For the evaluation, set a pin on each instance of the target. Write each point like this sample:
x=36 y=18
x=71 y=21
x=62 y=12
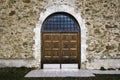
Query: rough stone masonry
x=18 y=18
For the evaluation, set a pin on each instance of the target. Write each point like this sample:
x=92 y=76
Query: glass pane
x=60 y=23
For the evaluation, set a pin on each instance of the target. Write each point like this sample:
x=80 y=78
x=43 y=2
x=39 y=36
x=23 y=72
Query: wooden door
x=51 y=48
x=69 y=48
x=60 y=48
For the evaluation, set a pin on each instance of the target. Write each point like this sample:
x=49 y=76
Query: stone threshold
x=59 y=73
x=68 y=73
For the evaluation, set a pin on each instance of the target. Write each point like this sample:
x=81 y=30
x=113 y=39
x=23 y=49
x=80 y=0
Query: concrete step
x=60 y=73
x=68 y=73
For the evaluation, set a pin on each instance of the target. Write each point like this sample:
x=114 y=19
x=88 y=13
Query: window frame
x=70 y=20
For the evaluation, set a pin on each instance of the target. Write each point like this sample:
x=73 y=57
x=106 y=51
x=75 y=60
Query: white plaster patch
x=106 y=63
x=37 y=43
x=18 y=63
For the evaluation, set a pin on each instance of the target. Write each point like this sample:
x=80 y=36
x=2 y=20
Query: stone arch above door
x=54 y=9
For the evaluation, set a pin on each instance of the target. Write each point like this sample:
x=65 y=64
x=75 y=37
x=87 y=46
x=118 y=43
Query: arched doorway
x=60 y=40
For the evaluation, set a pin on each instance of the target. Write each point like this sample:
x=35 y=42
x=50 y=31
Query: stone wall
x=18 y=19
x=103 y=23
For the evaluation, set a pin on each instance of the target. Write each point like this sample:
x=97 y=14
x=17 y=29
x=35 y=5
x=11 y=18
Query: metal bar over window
x=60 y=23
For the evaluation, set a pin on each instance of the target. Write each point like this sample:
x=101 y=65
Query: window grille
x=60 y=23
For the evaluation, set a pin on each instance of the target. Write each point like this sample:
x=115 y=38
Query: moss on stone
x=1 y=1
x=1 y=30
x=119 y=47
x=26 y=1
x=111 y=26
x=109 y=47
x=9 y=5
x=11 y=13
x=97 y=31
x=117 y=36
x=106 y=54
x=13 y=1
x=87 y=23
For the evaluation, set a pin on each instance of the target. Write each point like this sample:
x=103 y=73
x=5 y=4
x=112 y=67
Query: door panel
x=69 y=47
x=51 y=48
x=60 y=47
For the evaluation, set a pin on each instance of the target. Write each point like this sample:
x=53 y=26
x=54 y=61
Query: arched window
x=60 y=22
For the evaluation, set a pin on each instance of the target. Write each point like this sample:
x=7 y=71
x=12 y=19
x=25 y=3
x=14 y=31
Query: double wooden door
x=60 y=48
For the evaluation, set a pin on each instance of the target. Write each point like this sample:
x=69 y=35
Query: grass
x=19 y=73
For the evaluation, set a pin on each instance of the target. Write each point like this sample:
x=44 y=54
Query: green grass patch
x=19 y=73
x=13 y=73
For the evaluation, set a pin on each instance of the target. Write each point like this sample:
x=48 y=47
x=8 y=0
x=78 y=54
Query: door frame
x=37 y=30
